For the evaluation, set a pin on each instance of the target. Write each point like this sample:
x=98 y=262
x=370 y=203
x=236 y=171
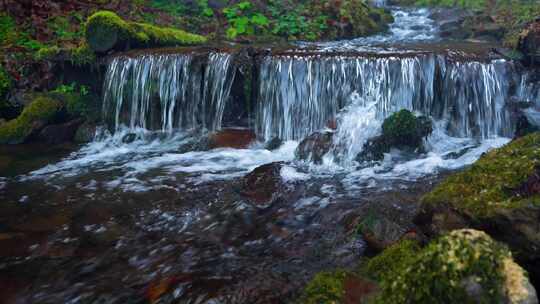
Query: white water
x=298 y=95
x=410 y=25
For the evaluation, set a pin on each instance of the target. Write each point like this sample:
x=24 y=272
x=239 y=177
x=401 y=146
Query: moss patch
x=493 y=181
x=388 y=263
x=442 y=271
x=105 y=30
x=5 y=82
x=326 y=287
x=41 y=111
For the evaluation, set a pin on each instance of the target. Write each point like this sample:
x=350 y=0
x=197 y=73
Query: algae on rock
x=41 y=111
x=105 y=31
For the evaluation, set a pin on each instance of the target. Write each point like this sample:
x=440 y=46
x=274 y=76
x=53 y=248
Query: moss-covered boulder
x=105 y=31
x=401 y=130
x=35 y=116
x=499 y=194
x=464 y=266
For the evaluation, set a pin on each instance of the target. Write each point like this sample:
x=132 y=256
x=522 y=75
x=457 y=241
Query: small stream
x=143 y=213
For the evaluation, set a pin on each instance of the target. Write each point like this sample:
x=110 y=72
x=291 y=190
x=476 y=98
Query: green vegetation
x=494 y=181
x=441 y=272
x=106 y=30
x=244 y=20
x=41 y=111
x=5 y=82
x=387 y=264
x=326 y=287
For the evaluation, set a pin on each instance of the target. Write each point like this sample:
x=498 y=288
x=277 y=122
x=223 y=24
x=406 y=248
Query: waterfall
x=167 y=91
x=302 y=94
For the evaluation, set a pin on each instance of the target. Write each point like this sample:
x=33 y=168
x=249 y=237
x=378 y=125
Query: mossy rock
x=105 y=30
x=339 y=286
x=464 y=266
x=401 y=130
x=5 y=82
x=499 y=194
x=501 y=179
x=35 y=116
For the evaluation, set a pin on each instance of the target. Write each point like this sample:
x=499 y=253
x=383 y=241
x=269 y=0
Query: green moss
x=41 y=111
x=492 y=182
x=5 y=82
x=106 y=30
x=388 y=263
x=326 y=287
x=440 y=272
x=82 y=55
x=47 y=53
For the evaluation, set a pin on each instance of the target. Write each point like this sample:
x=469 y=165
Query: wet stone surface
x=89 y=243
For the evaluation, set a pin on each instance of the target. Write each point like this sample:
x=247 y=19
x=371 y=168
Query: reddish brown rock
x=262 y=184
x=232 y=138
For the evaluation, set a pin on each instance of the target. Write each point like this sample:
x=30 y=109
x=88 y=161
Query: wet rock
x=59 y=133
x=380 y=232
x=314 y=147
x=403 y=131
x=529 y=43
x=524 y=126
x=263 y=184
x=231 y=138
x=85 y=133
x=129 y=138
x=273 y=144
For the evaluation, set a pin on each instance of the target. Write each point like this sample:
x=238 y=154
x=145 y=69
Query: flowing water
x=144 y=212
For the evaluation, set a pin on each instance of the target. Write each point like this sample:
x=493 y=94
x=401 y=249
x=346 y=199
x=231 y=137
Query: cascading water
x=176 y=219
x=167 y=91
x=300 y=95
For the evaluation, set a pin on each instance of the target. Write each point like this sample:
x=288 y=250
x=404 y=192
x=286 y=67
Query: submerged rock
x=402 y=130
x=273 y=144
x=314 y=147
x=500 y=194
x=464 y=266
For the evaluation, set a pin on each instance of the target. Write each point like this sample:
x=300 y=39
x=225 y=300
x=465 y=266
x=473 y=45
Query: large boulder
x=529 y=43
x=499 y=194
x=402 y=130
x=314 y=147
x=463 y=266
x=105 y=31
x=40 y=112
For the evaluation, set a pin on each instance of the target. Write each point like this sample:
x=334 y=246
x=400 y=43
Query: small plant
x=244 y=20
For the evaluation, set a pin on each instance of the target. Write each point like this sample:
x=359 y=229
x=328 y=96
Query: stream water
x=141 y=213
